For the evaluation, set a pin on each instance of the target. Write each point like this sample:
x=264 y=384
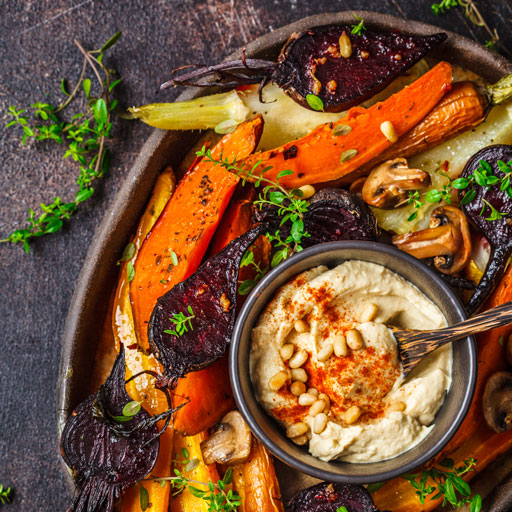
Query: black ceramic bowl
x=448 y=418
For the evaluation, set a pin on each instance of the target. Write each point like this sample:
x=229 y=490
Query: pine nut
x=327 y=400
x=325 y=352
x=397 y=406
x=307 y=191
x=297 y=388
x=277 y=381
x=300 y=375
x=388 y=130
x=345 y=45
x=317 y=407
x=301 y=326
x=319 y=423
x=286 y=351
x=298 y=359
x=340 y=345
x=306 y=399
x=369 y=312
x=352 y=415
x=301 y=440
x=296 y=429
x=354 y=339
x=313 y=391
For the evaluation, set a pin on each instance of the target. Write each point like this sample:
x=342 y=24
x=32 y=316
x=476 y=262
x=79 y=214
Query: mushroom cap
x=388 y=185
x=230 y=442
x=497 y=401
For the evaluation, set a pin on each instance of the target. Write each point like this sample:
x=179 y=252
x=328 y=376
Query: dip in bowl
x=373 y=425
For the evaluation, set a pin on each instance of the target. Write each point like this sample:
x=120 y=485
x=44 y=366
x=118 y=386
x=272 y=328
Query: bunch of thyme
x=85 y=135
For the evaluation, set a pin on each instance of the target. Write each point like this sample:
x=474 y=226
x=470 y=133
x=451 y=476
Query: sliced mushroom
x=497 y=401
x=388 y=185
x=447 y=240
x=230 y=443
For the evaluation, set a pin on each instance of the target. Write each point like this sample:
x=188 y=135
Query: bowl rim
x=235 y=369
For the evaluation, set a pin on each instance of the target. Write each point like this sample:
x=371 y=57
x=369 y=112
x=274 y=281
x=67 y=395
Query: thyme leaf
x=182 y=322
x=359 y=27
x=5 y=494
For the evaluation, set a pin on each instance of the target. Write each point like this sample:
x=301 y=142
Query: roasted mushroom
x=339 y=68
x=447 y=240
x=230 y=442
x=388 y=185
x=497 y=401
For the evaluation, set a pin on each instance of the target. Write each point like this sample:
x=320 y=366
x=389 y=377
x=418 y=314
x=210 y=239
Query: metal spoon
x=414 y=345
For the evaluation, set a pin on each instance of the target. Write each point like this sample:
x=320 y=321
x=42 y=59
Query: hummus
x=351 y=404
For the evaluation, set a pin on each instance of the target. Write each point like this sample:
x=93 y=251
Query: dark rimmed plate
x=89 y=305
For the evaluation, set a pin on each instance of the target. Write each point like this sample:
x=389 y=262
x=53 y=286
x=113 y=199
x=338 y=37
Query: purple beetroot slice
x=498 y=232
x=211 y=293
x=326 y=497
x=310 y=63
x=103 y=462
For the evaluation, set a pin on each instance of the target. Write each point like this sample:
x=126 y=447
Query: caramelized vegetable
x=335 y=151
x=255 y=481
x=325 y=67
x=184 y=229
x=459 y=110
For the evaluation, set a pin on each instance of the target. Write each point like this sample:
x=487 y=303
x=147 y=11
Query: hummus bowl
x=272 y=435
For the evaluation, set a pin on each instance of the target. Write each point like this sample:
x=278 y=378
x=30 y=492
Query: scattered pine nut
x=340 y=345
x=307 y=192
x=299 y=374
x=306 y=399
x=325 y=352
x=286 y=351
x=296 y=430
x=345 y=45
x=297 y=388
x=317 y=407
x=301 y=326
x=369 y=312
x=354 y=339
x=319 y=423
x=327 y=400
x=277 y=381
x=352 y=415
x=298 y=359
x=300 y=440
x=313 y=391
x=388 y=130
x=397 y=406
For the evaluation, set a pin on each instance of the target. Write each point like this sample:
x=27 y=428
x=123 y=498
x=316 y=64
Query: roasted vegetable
x=490 y=212
x=326 y=497
x=256 y=483
x=178 y=241
x=107 y=456
x=336 y=151
x=497 y=401
x=208 y=298
x=338 y=68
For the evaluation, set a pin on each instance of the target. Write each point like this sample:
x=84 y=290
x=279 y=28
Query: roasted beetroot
x=326 y=497
x=106 y=455
x=490 y=212
x=208 y=299
x=339 y=68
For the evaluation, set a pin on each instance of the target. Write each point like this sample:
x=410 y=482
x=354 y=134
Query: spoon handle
x=495 y=317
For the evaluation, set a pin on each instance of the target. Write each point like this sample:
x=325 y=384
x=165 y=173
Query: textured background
x=36 y=51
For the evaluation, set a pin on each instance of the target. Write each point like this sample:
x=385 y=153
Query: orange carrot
x=323 y=156
x=186 y=226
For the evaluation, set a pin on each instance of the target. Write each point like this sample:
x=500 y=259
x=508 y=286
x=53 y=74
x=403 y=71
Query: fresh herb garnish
x=358 y=29
x=248 y=260
x=129 y=411
x=315 y=102
x=482 y=176
x=143 y=498
x=128 y=253
x=289 y=203
x=342 y=509
x=5 y=494
x=446 y=483
x=85 y=136
x=183 y=323
x=473 y=14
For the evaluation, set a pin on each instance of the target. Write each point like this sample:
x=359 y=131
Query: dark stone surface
x=36 y=51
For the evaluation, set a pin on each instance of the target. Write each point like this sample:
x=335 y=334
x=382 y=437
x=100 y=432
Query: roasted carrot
x=323 y=156
x=256 y=482
x=185 y=501
x=186 y=226
x=474 y=438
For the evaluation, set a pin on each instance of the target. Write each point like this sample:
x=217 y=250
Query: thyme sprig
x=85 y=135
x=248 y=260
x=359 y=27
x=447 y=484
x=182 y=322
x=289 y=203
x=474 y=15
x=483 y=176
x=5 y=494
x=129 y=411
